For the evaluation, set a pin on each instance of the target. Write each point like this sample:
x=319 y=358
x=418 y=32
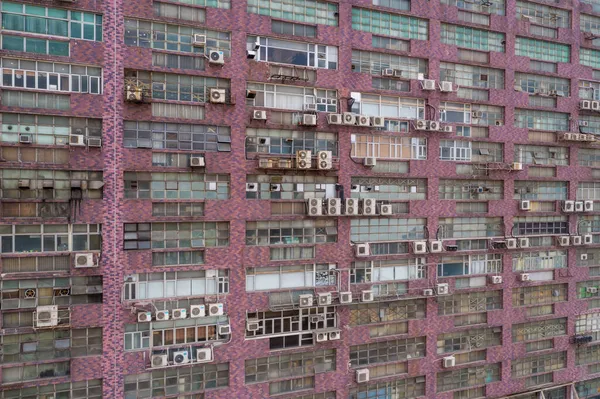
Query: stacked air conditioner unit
x=369 y=206
x=324 y=160
x=352 y=206
x=333 y=206
x=315 y=206
x=303 y=159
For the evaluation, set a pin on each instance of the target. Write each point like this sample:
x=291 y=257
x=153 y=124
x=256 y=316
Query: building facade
x=300 y=199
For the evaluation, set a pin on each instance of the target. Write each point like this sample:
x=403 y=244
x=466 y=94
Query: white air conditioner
x=309 y=120
x=345 y=297
x=305 y=300
x=578 y=206
x=179 y=314
x=324 y=298
x=362 y=249
x=434 y=126
x=563 y=241
x=585 y=104
x=162 y=315
x=427 y=292
x=420 y=247
x=576 y=240
x=496 y=279
x=370 y=161
x=321 y=336
x=77 y=140
x=216 y=57
x=144 y=317
x=447 y=129
x=588 y=206
x=377 y=121
x=367 y=296
x=252 y=325
x=276 y=187
x=197 y=311
x=181 y=357
x=591 y=290
x=159 y=361
x=217 y=96
x=568 y=206
x=348 y=118
x=387 y=72
x=335 y=335
x=204 y=355
x=517 y=166
x=324 y=160
x=197 y=161
x=386 y=210
x=224 y=329
x=446 y=87
x=369 y=206
x=251 y=187
x=315 y=206
x=352 y=206
x=428 y=84
x=215 y=309
x=199 y=40
x=523 y=242
x=84 y=260
x=525 y=205
x=449 y=361
x=363 y=120
x=476 y=114
x=442 y=289
x=595 y=105
x=436 y=246
x=303 y=159
x=134 y=94
x=511 y=243
x=583 y=257
x=310 y=107
x=362 y=375
x=588 y=239
x=25 y=138
x=46 y=316
x=524 y=277
x=334 y=119
x=94 y=142
x=421 y=124
x=259 y=115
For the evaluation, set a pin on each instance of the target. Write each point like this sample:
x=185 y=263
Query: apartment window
x=295 y=53
x=539 y=260
x=23 y=99
x=288 y=142
x=539 y=330
x=373 y=63
x=593 y=256
x=36 y=264
x=90 y=389
x=179 y=111
x=177 y=258
x=51 y=21
x=297 y=384
x=17 y=294
x=471 y=75
x=539 y=295
x=538 y=364
x=35 y=45
x=476 y=39
x=50 y=238
x=207 y=3
x=473 y=18
x=540 y=225
x=287 y=28
x=543 y=15
x=176 y=284
x=497 y=8
x=373 y=230
x=455 y=150
x=264 y=233
x=540 y=190
x=291 y=187
x=286 y=322
x=396 y=25
x=468 y=377
x=178 y=61
x=384 y=312
x=401 y=389
x=175 y=235
x=290 y=277
x=390 y=107
x=50 y=185
x=588 y=355
x=541 y=120
x=160 y=36
x=389 y=189
x=292 y=97
x=584 y=293
x=458 y=228
x=34 y=372
x=469 y=302
x=293 y=365
x=481 y=190
x=387 y=351
x=390 y=43
x=542 y=85
x=47 y=129
x=388 y=270
x=166 y=10
x=388 y=147
x=176 y=136
x=307 y=11
x=176 y=380
x=588 y=324
x=589 y=190
x=146 y=185
x=589 y=57
x=183 y=209
x=451 y=266
x=589 y=90
x=541 y=155
x=587 y=389
x=469 y=340
x=476 y=114
x=542 y=50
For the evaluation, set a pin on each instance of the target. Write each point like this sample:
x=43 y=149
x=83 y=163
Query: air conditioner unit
x=285 y=163
x=362 y=375
x=447 y=129
x=377 y=121
x=324 y=160
x=476 y=114
x=321 y=336
x=524 y=277
x=204 y=355
x=217 y=96
x=568 y=206
x=583 y=123
x=525 y=205
x=436 y=246
x=25 y=139
x=315 y=206
x=334 y=119
x=576 y=240
x=181 y=357
x=348 y=118
x=259 y=115
x=252 y=325
x=496 y=279
x=84 y=260
x=363 y=120
x=197 y=311
x=46 y=316
x=335 y=335
x=162 y=315
x=179 y=314
x=568 y=136
x=370 y=161
x=420 y=247
x=511 y=243
x=197 y=161
x=578 y=206
x=517 y=166
x=144 y=317
x=387 y=72
x=421 y=124
x=595 y=105
x=333 y=206
x=251 y=187
x=216 y=57
x=159 y=361
x=134 y=94
x=77 y=140
x=583 y=256
x=428 y=292
x=585 y=104
x=303 y=159
x=324 y=298
x=363 y=249
x=345 y=297
x=199 y=40
x=446 y=87
x=310 y=107
x=434 y=126
x=367 y=296
x=523 y=242
x=309 y=120
x=428 y=84
x=591 y=290
x=369 y=206
x=215 y=309
x=398 y=73
x=442 y=289
x=224 y=329
x=588 y=239
x=449 y=361
x=563 y=241
x=94 y=142
x=305 y=300
x=351 y=207
x=498 y=244
x=275 y=187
